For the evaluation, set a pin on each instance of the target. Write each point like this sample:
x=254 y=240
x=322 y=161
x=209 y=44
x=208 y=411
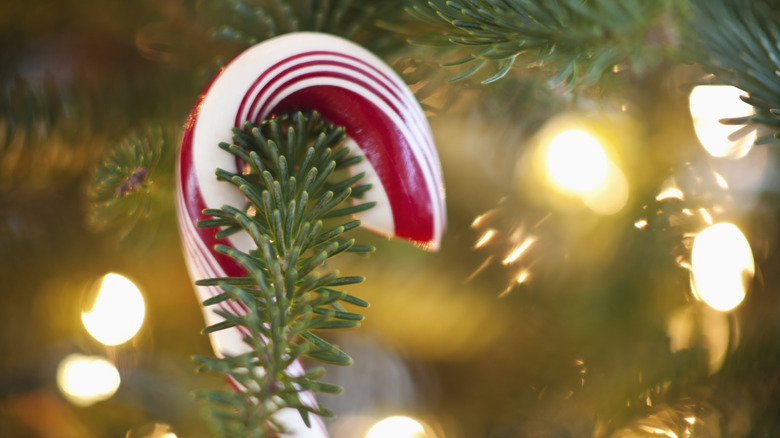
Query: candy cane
x=348 y=86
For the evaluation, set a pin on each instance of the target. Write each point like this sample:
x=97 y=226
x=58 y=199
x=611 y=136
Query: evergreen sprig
x=295 y=178
x=578 y=41
x=741 y=46
x=132 y=182
x=252 y=21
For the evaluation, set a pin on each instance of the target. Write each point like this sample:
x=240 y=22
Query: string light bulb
x=721 y=266
x=85 y=380
x=572 y=156
x=576 y=161
x=117 y=313
x=709 y=104
x=399 y=427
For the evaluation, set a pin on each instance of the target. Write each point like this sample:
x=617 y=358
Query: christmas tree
x=611 y=221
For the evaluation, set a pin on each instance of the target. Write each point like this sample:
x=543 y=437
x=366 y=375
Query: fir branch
x=131 y=183
x=576 y=42
x=56 y=124
x=42 y=115
x=284 y=292
x=739 y=41
x=249 y=22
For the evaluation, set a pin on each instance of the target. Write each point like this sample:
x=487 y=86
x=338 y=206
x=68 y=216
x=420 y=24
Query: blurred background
x=608 y=267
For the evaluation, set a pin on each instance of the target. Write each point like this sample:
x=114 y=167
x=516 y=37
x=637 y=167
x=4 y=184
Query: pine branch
x=296 y=174
x=42 y=115
x=249 y=22
x=132 y=183
x=739 y=41
x=72 y=86
x=52 y=127
x=576 y=42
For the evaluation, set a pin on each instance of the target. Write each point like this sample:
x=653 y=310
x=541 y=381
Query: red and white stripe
x=348 y=86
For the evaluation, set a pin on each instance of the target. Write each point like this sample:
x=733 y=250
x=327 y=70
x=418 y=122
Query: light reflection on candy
x=349 y=87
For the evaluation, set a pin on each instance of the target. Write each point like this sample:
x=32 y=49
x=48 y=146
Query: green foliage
x=132 y=182
x=575 y=40
x=252 y=21
x=37 y=120
x=297 y=174
x=738 y=41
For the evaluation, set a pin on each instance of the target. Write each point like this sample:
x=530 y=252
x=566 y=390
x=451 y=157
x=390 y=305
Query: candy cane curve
x=349 y=87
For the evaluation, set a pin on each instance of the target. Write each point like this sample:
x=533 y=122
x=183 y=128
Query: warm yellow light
x=670 y=192
x=398 y=427
x=692 y=327
x=85 y=380
x=722 y=183
x=519 y=250
x=485 y=238
x=154 y=430
x=576 y=161
x=658 y=431
x=711 y=103
x=706 y=215
x=722 y=266
x=117 y=313
x=611 y=195
x=522 y=277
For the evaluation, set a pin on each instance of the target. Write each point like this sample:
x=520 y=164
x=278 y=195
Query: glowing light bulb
x=398 y=427
x=722 y=266
x=117 y=313
x=711 y=103
x=85 y=380
x=576 y=161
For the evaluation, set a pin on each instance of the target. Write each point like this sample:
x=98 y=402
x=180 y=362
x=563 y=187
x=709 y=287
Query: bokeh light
x=609 y=197
x=399 y=427
x=711 y=103
x=576 y=161
x=154 y=430
x=117 y=313
x=702 y=327
x=85 y=380
x=722 y=266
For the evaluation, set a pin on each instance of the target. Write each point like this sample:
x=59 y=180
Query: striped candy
x=350 y=87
